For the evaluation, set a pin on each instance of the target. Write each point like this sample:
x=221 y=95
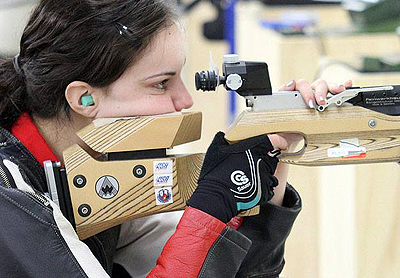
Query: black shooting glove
x=236 y=177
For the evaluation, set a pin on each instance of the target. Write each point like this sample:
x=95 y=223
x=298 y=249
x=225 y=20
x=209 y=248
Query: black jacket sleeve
x=268 y=232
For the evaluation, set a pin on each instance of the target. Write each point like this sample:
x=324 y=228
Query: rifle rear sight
x=246 y=78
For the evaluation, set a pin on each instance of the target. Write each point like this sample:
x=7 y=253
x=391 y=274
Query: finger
x=293 y=140
x=348 y=83
x=306 y=91
x=290 y=86
x=320 y=87
x=278 y=142
x=291 y=137
x=336 y=88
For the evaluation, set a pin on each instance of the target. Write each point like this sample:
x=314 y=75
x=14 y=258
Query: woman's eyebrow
x=171 y=73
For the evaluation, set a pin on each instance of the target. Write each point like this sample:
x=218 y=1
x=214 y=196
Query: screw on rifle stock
x=79 y=181
x=372 y=123
x=84 y=210
x=139 y=171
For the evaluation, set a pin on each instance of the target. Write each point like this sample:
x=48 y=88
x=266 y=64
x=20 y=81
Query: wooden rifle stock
x=324 y=131
x=107 y=193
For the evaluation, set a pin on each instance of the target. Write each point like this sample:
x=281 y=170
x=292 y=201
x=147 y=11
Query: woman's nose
x=182 y=99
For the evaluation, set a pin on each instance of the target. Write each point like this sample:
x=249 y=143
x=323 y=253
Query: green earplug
x=87 y=100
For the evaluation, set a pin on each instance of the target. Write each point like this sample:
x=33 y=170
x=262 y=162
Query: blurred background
x=350 y=223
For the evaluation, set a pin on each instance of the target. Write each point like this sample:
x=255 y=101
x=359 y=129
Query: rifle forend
x=343 y=135
x=359 y=125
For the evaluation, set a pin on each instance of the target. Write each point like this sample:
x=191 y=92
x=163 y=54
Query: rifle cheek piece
x=133 y=176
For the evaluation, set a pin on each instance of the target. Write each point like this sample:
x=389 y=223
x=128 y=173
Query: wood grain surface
x=325 y=130
x=136 y=196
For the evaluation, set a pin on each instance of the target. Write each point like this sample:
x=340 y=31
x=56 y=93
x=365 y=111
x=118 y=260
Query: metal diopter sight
x=208 y=80
x=246 y=78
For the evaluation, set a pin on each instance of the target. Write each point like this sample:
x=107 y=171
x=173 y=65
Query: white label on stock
x=346 y=152
x=348 y=148
x=163 y=196
x=163 y=179
x=163 y=167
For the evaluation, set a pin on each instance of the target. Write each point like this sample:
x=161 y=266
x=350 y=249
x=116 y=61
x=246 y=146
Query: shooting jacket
x=37 y=241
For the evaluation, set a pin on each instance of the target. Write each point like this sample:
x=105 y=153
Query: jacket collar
x=27 y=132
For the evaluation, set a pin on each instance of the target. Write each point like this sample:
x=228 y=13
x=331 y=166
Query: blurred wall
x=13 y=17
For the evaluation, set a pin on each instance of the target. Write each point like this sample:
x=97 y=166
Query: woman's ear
x=82 y=98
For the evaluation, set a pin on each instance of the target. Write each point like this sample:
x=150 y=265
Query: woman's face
x=153 y=85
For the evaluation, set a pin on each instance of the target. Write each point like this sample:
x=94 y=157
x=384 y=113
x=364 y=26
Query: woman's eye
x=161 y=85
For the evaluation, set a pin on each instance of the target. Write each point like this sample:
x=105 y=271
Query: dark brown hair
x=75 y=40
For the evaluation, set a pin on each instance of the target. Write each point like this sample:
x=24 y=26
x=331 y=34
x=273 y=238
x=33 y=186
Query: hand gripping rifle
x=359 y=125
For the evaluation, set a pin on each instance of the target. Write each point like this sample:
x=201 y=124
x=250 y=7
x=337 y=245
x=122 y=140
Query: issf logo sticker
x=164 y=196
x=163 y=179
x=164 y=166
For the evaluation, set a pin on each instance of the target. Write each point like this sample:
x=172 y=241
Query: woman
x=81 y=60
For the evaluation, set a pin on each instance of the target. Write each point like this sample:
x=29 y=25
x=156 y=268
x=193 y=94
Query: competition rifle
x=122 y=169
x=358 y=125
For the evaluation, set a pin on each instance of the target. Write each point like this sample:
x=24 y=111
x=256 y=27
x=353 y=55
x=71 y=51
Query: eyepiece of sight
x=206 y=80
